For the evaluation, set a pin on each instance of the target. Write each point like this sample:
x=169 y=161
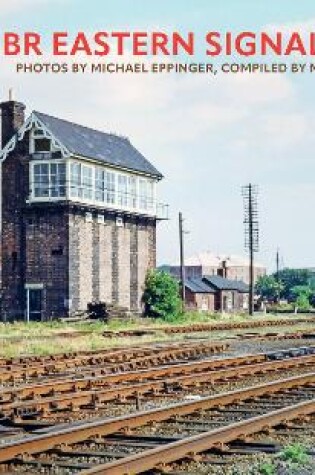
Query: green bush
x=302 y=302
x=295 y=453
x=161 y=295
x=267 y=469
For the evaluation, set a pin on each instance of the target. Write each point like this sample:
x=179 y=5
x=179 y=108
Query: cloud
x=302 y=27
x=207 y=135
x=174 y=107
x=19 y=6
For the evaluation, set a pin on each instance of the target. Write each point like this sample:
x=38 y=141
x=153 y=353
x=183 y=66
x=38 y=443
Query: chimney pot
x=12 y=118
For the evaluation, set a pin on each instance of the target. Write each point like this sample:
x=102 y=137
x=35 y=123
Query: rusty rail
x=190 y=446
x=199 y=327
x=84 y=380
x=136 y=358
x=119 y=354
x=80 y=432
x=191 y=375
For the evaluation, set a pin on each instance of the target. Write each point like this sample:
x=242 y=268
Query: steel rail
x=82 y=381
x=158 y=356
x=120 y=355
x=75 y=433
x=12 y=373
x=75 y=400
x=189 y=446
x=214 y=326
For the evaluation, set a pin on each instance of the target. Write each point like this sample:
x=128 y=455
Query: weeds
x=267 y=469
x=42 y=338
x=296 y=454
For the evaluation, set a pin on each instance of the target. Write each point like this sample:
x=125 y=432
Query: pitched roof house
x=216 y=294
x=79 y=213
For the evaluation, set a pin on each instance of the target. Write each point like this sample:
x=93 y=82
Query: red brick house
x=78 y=216
x=230 y=266
x=199 y=296
x=216 y=294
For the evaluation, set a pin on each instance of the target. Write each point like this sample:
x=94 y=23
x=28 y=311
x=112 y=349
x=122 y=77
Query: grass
x=45 y=338
x=296 y=454
x=291 y=460
x=267 y=469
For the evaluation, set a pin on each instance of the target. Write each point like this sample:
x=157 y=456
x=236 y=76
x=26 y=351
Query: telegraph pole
x=277 y=272
x=277 y=264
x=182 y=259
x=251 y=251
x=250 y=193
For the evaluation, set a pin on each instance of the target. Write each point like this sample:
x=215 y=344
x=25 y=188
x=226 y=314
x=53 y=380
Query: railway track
x=41 y=400
x=147 y=440
x=22 y=369
x=199 y=327
x=115 y=355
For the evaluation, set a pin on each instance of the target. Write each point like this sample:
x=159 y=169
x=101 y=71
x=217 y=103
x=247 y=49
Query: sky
x=207 y=135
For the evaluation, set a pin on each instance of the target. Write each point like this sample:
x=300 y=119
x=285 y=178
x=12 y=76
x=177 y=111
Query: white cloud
x=13 y=6
x=302 y=27
x=200 y=131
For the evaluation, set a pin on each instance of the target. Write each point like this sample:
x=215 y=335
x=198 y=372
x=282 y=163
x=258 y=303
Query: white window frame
x=33 y=163
x=109 y=197
x=39 y=134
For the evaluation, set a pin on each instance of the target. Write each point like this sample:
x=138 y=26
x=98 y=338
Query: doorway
x=34 y=304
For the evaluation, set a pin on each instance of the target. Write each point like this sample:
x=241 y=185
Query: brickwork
x=95 y=261
x=105 y=261
x=72 y=254
x=74 y=261
x=240 y=273
x=110 y=260
x=124 y=265
x=46 y=248
x=14 y=188
x=134 y=304
x=12 y=118
x=199 y=301
x=143 y=264
x=115 y=265
x=82 y=231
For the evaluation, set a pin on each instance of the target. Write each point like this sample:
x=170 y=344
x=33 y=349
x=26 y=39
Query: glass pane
x=41 y=180
x=143 y=194
x=150 y=195
x=57 y=179
x=99 y=185
x=75 y=180
x=132 y=201
x=122 y=190
x=110 y=187
x=87 y=182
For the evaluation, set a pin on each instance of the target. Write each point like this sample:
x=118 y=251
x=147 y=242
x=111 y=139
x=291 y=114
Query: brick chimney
x=12 y=118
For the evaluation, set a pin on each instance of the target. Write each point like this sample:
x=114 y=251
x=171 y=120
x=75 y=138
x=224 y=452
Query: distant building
x=229 y=266
x=214 y=293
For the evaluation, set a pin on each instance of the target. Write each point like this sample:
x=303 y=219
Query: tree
x=301 y=295
x=291 y=278
x=161 y=295
x=268 y=287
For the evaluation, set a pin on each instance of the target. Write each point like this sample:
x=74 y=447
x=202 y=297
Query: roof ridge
x=106 y=147
x=122 y=137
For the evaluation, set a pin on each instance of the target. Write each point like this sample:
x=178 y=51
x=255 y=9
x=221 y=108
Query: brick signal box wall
x=66 y=248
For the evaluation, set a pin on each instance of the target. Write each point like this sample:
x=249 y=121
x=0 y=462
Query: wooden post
x=182 y=261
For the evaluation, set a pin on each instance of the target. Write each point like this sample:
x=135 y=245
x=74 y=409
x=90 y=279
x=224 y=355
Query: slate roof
x=221 y=283
x=196 y=285
x=108 y=148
